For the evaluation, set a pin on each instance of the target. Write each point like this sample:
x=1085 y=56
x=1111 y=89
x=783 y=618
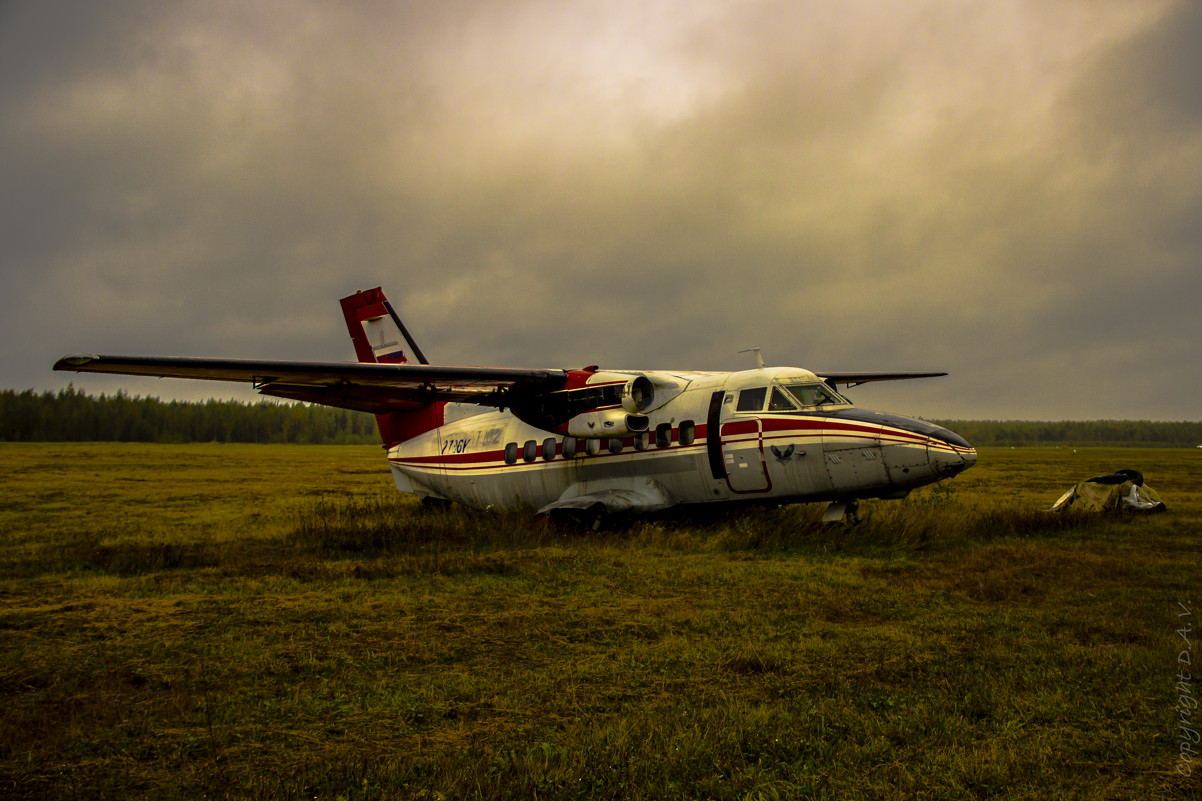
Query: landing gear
x=595 y=516
x=591 y=518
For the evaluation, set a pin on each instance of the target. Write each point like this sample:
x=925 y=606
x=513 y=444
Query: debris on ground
x=1120 y=491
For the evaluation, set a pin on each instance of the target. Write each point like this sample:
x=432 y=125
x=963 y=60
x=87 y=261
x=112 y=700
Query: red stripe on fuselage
x=780 y=428
x=740 y=427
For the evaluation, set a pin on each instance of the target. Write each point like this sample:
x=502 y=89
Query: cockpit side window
x=752 y=400
x=780 y=402
x=816 y=395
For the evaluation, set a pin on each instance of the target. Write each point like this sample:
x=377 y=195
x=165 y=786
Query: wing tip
x=75 y=361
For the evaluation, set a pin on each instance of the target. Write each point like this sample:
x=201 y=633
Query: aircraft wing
x=855 y=379
x=375 y=388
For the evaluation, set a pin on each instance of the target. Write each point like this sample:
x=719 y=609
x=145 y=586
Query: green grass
x=277 y=622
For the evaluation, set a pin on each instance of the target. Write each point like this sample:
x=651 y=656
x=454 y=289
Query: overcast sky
x=1008 y=191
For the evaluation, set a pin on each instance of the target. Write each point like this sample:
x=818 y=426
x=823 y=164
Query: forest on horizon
x=73 y=416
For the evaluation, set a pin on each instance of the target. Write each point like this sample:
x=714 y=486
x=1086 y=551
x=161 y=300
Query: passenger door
x=743 y=455
x=743 y=445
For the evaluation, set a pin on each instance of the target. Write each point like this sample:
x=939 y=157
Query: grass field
x=277 y=622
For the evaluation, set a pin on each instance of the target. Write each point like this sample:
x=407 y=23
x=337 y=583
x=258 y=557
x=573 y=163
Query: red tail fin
x=380 y=337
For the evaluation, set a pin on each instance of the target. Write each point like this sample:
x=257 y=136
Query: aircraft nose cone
x=949 y=458
x=934 y=454
x=950 y=453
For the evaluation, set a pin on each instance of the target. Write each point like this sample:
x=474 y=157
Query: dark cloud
x=1005 y=192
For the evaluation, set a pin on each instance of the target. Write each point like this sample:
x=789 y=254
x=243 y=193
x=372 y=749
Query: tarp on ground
x=1123 y=490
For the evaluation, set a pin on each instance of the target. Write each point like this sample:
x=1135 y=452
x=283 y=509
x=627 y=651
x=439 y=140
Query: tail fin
x=376 y=329
x=379 y=337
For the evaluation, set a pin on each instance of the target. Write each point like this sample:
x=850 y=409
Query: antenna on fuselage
x=759 y=357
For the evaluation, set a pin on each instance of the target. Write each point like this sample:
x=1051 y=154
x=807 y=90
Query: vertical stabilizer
x=380 y=337
x=377 y=331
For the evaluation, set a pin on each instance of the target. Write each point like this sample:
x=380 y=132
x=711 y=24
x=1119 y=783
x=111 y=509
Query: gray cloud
x=1007 y=192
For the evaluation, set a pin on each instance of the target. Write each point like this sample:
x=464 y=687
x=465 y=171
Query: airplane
x=593 y=443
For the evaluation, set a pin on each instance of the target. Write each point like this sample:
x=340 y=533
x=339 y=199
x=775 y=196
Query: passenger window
x=663 y=435
x=780 y=402
x=640 y=441
x=615 y=445
x=511 y=453
x=592 y=446
x=549 y=448
x=569 y=447
x=687 y=432
x=530 y=450
x=752 y=400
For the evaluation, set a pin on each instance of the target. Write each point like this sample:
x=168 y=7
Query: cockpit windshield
x=816 y=395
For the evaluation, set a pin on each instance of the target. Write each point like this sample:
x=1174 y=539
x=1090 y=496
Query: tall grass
x=389 y=523
x=272 y=623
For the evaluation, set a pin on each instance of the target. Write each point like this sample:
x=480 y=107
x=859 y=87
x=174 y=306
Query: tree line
x=1085 y=433
x=73 y=416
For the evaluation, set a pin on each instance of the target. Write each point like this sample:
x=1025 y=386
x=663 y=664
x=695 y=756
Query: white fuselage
x=703 y=445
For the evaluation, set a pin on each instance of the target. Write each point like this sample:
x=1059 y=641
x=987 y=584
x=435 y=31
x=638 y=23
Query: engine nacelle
x=638 y=395
x=609 y=423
